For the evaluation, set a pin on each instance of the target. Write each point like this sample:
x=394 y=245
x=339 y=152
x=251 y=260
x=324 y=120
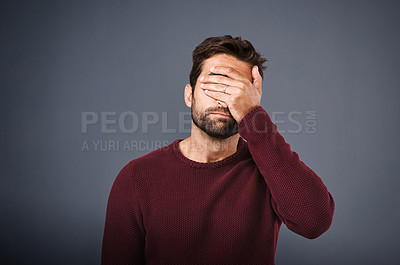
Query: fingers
x=218 y=88
x=229 y=72
x=218 y=96
x=223 y=80
x=220 y=82
x=223 y=104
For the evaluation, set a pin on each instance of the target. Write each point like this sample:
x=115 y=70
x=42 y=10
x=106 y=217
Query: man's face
x=207 y=114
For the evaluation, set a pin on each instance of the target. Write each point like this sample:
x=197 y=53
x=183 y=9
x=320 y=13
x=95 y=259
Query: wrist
x=246 y=112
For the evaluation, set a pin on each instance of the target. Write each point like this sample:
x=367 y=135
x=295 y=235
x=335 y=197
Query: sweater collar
x=228 y=160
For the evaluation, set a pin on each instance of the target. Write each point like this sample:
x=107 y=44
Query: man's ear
x=188 y=95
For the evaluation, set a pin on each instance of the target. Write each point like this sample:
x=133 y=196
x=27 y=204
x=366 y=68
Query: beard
x=216 y=127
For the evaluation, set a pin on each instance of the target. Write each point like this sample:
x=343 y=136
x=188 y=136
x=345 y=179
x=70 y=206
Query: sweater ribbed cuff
x=256 y=124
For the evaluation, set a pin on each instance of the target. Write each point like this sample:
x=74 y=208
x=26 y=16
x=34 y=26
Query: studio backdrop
x=87 y=86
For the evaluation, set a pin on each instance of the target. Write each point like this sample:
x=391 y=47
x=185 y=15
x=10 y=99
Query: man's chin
x=217 y=126
x=220 y=134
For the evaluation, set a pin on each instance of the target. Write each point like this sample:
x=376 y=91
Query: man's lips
x=222 y=114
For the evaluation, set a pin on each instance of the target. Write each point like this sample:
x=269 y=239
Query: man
x=219 y=196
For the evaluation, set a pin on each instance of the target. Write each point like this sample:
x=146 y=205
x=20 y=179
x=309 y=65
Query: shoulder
x=154 y=161
x=155 y=157
x=145 y=166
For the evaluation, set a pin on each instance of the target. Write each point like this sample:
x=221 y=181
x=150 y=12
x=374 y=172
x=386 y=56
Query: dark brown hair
x=241 y=49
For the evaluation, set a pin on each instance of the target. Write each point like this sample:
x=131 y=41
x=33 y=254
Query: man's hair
x=241 y=49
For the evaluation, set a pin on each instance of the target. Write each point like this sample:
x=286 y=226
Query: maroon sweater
x=166 y=209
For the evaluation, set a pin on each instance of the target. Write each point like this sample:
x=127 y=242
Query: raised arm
x=299 y=197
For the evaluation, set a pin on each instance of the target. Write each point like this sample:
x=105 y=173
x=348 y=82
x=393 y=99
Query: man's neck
x=203 y=148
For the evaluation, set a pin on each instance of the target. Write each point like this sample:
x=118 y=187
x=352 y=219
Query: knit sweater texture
x=164 y=208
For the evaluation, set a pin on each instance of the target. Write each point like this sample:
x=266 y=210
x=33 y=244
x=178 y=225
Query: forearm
x=299 y=197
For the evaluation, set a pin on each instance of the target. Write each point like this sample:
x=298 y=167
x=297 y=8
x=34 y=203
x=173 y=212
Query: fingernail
x=202 y=78
x=202 y=85
x=206 y=91
x=212 y=68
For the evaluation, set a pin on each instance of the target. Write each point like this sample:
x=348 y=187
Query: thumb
x=257 y=79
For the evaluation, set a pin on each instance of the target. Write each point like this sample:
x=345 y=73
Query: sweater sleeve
x=299 y=197
x=123 y=238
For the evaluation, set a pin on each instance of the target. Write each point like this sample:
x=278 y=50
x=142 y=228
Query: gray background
x=61 y=58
